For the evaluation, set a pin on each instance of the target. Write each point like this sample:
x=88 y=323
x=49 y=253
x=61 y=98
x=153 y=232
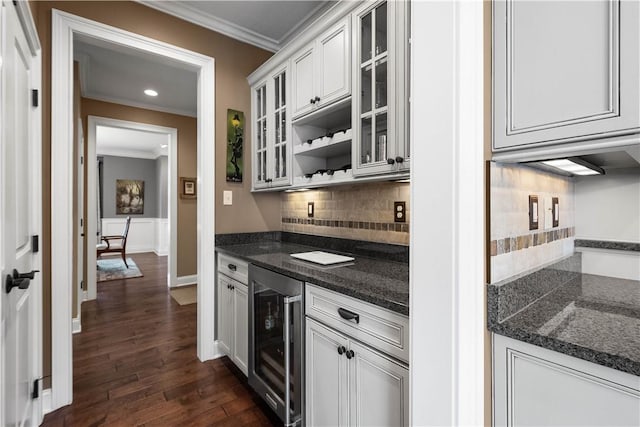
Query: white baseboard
x=85 y=296
x=217 y=353
x=46 y=401
x=186 y=281
x=76 y=325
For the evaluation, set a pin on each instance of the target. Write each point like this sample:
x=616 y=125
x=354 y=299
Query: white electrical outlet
x=227 y=197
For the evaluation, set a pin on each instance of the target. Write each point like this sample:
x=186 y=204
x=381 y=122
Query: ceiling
x=113 y=141
x=266 y=24
x=119 y=74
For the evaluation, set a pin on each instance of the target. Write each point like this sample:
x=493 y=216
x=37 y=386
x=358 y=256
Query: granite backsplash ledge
x=512 y=295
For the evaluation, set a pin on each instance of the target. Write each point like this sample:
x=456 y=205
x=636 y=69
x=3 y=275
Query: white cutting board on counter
x=322 y=258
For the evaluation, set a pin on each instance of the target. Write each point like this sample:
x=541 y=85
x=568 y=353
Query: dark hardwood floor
x=134 y=363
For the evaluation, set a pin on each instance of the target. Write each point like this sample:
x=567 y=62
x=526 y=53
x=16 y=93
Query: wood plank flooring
x=134 y=363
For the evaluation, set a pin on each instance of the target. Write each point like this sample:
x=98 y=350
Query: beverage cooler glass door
x=276 y=341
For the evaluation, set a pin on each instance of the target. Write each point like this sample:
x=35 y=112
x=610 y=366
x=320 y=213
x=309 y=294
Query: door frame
x=64 y=26
x=35 y=151
x=172 y=198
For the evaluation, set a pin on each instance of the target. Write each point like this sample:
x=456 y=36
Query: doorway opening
x=65 y=28
x=152 y=151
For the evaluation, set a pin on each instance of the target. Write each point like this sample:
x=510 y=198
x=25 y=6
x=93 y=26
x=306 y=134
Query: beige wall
x=187 y=154
x=361 y=212
x=234 y=61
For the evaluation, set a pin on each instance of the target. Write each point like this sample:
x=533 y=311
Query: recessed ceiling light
x=575 y=166
x=150 y=92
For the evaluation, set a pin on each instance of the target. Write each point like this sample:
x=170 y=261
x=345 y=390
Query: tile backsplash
x=515 y=249
x=359 y=212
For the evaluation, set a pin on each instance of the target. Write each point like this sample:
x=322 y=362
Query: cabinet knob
x=317 y=99
x=341 y=349
x=390 y=161
x=312 y=101
x=268 y=180
x=350 y=354
x=399 y=159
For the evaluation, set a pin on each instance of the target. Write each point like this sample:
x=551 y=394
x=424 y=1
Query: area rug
x=185 y=295
x=114 y=269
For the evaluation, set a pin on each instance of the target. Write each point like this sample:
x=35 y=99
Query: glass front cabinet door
x=271 y=132
x=380 y=95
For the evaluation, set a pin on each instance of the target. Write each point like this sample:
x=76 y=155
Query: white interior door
x=19 y=210
x=80 y=201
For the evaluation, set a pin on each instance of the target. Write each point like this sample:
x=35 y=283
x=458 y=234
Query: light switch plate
x=533 y=212
x=227 y=197
x=310 y=209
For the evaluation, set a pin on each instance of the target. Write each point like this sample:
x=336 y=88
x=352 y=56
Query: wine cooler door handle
x=288 y=301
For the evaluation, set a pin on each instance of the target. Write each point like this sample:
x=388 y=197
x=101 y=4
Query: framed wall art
x=129 y=197
x=235 y=141
x=188 y=188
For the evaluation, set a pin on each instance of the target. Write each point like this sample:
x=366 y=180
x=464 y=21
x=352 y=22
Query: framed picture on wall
x=188 y=188
x=129 y=196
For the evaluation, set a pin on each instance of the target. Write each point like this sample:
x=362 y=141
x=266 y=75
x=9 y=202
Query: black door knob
x=341 y=349
x=350 y=354
x=11 y=283
x=30 y=275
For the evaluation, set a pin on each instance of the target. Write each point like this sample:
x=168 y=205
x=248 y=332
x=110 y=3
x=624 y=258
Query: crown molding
x=129 y=103
x=126 y=152
x=213 y=23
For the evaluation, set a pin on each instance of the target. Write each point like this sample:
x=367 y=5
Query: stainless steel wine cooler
x=276 y=342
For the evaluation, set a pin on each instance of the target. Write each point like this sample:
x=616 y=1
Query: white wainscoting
x=145 y=234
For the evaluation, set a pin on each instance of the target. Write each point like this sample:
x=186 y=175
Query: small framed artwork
x=188 y=188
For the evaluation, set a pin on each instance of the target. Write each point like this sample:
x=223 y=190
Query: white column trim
x=447 y=260
x=64 y=26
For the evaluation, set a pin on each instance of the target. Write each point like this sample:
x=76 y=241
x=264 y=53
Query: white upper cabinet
x=321 y=71
x=271 y=131
x=565 y=71
x=380 y=109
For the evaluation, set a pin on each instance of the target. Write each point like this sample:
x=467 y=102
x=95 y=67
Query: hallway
x=134 y=363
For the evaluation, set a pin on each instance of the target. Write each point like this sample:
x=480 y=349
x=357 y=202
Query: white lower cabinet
x=233 y=318
x=349 y=383
x=534 y=386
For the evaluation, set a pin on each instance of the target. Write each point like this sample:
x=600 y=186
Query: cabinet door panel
x=535 y=386
x=241 y=327
x=225 y=338
x=302 y=66
x=378 y=391
x=565 y=70
x=327 y=394
x=333 y=49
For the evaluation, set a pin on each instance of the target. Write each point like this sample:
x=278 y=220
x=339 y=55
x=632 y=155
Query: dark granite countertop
x=380 y=282
x=595 y=318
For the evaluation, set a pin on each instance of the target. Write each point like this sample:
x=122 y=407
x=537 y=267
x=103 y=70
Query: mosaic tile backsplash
x=359 y=212
x=514 y=248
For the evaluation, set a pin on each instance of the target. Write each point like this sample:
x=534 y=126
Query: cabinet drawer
x=382 y=329
x=234 y=268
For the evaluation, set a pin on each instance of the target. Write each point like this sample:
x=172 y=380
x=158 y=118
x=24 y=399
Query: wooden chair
x=115 y=244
